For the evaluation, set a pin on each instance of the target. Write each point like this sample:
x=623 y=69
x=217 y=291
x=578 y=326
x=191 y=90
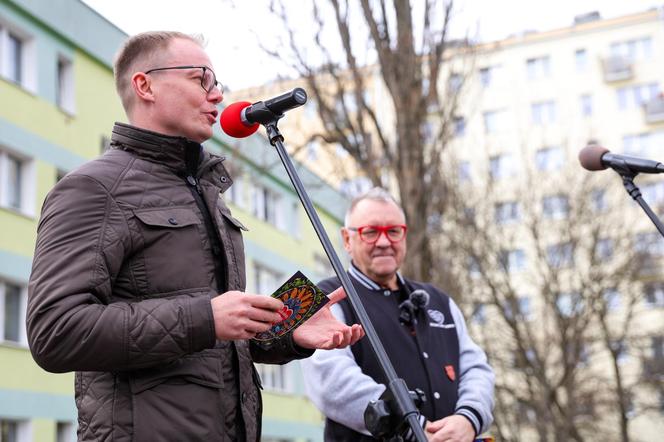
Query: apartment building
x=57 y=108
x=528 y=104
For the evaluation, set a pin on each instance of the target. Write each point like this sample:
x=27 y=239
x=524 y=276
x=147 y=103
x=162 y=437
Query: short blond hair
x=138 y=53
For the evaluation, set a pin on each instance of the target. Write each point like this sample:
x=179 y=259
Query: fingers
x=240 y=315
x=336 y=295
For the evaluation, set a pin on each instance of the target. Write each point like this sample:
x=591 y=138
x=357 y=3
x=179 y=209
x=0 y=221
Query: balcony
x=617 y=68
x=654 y=110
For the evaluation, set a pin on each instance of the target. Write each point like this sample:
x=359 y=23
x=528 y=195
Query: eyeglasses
x=370 y=234
x=208 y=79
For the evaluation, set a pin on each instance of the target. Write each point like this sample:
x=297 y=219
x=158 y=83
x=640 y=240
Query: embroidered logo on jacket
x=438 y=319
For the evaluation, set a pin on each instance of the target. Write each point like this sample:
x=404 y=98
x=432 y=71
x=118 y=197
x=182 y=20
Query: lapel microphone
x=409 y=309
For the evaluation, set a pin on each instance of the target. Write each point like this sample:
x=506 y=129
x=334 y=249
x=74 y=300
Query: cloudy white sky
x=240 y=63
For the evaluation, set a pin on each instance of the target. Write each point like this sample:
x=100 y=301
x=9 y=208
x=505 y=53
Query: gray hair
x=375 y=194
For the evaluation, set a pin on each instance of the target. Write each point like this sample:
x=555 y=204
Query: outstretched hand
x=324 y=331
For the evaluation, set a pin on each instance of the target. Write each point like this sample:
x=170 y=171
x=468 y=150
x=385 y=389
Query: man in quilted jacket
x=138 y=276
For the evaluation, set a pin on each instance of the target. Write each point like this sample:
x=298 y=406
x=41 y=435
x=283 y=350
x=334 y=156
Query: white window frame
x=28 y=59
x=65 y=85
x=266 y=279
x=277 y=378
x=23 y=305
x=27 y=183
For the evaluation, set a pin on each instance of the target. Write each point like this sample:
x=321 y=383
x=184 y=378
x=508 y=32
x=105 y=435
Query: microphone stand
x=400 y=405
x=632 y=189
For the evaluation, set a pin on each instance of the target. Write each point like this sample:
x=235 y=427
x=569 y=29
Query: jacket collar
x=178 y=153
x=368 y=282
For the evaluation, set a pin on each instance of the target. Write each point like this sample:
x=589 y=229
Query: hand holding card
x=301 y=298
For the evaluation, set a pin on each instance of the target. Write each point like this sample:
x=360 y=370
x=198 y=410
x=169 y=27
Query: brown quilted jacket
x=125 y=265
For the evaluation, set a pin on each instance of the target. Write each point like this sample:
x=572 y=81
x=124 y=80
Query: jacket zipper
x=220 y=263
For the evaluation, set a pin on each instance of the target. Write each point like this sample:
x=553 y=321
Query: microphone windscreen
x=231 y=121
x=590 y=157
x=420 y=298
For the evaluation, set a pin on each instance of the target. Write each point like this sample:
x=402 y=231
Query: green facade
x=49 y=141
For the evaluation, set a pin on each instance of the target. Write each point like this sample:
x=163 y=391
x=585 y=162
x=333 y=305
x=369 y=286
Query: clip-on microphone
x=410 y=308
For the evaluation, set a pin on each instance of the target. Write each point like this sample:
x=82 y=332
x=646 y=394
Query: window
x=474 y=267
x=507 y=212
x=266 y=205
x=581 y=60
x=65 y=432
x=633 y=49
x=266 y=280
x=620 y=350
x=479 y=314
x=459 y=126
x=275 y=377
x=14 y=58
x=653 y=193
x=635 y=96
x=611 y=299
x=12 y=430
x=555 y=206
x=645 y=145
x=17 y=183
x=604 y=248
x=464 y=171
x=549 y=158
x=494 y=121
x=513 y=260
x=543 y=113
x=235 y=193
x=525 y=310
x=538 y=68
x=654 y=294
x=657 y=347
x=313 y=147
x=13 y=304
x=16 y=54
x=455 y=83
x=586 y=102
x=322 y=266
x=502 y=166
x=560 y=255
x=488 y=75
x=569 y=304
x=64 y=88
x=650 y=243
x=598 y=200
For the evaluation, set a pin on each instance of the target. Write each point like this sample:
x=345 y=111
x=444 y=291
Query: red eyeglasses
x=370 y=234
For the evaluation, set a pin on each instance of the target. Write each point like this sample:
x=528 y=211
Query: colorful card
x=301 y=298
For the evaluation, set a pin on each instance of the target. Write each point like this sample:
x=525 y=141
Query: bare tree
x=554 y=288
x=402 y=153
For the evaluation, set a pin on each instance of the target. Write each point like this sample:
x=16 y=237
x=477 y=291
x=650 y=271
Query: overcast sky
x=240 y=63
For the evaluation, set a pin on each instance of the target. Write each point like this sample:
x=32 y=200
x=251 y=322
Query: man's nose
x=215 y=96
x=382 y=240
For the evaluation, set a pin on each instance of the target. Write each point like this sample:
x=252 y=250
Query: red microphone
x=231 y=121
x=242 y=119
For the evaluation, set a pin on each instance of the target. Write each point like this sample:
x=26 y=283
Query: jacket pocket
x=179 y=402
x=232 y=231
x=171 y=254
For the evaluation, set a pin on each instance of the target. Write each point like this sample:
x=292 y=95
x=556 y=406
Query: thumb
x=336 y=295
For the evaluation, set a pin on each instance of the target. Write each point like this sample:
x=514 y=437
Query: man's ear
x=142 y=85
x=346 y=237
